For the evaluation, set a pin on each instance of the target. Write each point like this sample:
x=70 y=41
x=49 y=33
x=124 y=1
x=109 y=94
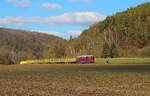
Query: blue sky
x=59 y=17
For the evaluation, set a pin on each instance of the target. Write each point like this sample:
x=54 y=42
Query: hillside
x=127 y=34
x=16 y=45
x=129 y=30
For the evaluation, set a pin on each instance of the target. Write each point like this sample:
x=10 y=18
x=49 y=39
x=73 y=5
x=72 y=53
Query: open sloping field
x=75 y=80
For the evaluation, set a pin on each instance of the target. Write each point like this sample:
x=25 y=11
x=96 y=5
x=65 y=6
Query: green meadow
x=123 y=60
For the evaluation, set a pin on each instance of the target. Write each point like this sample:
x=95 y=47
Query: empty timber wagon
x=79 y=59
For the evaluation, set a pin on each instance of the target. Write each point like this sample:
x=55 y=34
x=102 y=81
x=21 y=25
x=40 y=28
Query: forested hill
x=16 y=45
x=125 y=34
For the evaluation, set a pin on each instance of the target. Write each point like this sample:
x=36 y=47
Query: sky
x=63 y=18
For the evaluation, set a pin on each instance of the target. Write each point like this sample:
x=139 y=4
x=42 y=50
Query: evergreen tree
x=113 y=50
x=105 y=51
x=71 y=38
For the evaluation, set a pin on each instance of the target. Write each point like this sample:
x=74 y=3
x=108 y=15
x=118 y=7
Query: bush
x=145 y=52
x=4 y=56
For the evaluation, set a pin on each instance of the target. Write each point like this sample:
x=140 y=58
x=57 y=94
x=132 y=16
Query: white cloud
x=75 y=32
x=49 y=32
x=66 y=19
x=19 y=24
x=20 y=3
x=18 y=20
x=78 y=18
x=51 y=6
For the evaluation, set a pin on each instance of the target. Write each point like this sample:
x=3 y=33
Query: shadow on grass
x=115 y=68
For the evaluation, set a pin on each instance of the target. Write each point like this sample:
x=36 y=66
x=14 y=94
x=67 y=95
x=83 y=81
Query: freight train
x=78 y=60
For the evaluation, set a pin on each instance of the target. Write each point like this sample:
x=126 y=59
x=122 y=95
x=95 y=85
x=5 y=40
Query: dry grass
x=75 y=80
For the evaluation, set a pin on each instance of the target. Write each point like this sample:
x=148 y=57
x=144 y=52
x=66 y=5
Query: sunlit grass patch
x=123 y=60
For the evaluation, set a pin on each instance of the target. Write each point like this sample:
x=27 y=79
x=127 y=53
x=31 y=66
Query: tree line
x=125 y=34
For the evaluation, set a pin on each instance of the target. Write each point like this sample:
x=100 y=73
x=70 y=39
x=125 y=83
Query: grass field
x=75 y=80
x=123 y=60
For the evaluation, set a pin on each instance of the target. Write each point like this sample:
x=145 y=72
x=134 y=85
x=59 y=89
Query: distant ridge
x=16 y=45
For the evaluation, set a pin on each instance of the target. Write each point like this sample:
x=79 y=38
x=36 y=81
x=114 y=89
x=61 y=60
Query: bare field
x=75 y=80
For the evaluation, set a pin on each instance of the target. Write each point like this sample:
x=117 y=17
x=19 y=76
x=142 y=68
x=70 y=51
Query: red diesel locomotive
x=85 y=59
